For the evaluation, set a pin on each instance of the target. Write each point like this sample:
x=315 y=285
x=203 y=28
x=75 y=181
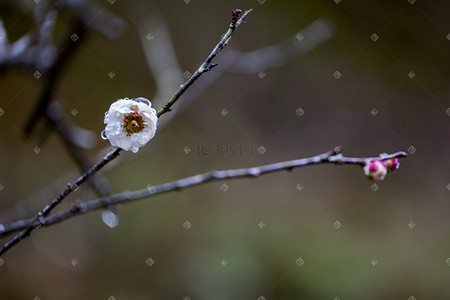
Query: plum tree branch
x=206 y=66
x=331 y=157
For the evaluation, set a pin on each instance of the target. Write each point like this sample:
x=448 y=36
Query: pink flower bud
x=375 y=170
x=392 y=164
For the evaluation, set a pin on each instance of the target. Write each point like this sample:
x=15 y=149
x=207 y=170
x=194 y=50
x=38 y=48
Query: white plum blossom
x=130 y=123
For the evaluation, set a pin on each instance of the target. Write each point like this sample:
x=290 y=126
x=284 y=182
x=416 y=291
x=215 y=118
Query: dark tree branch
x=54 y=73
x=35 y=222
x=56 y=117
x=47 y=209
x=331 y=157
x=207 y=64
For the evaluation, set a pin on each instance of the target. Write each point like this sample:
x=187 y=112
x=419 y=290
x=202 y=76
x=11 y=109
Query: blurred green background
x=245 y=242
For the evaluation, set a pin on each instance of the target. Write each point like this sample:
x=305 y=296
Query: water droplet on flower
x=103 y=135
x=143 y=100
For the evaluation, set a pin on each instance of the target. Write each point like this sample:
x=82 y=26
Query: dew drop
x=143 y=100
x=103 y=135
x=110 y=218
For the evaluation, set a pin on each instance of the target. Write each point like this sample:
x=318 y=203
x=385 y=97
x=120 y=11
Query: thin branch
x=159 y=50
x=68 y=49
x=206 y=66
x=56 y=117
x=252 y=62
x=330 y=157
x=47 y=209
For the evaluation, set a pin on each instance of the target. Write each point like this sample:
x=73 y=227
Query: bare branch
x=159 y=51
x=331 y=157
x=206 y=66
x=47 y=209
x=36 y=221
x=262 y=59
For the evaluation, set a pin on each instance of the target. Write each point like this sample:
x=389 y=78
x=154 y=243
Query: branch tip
x=235 y=13
x=338 y=149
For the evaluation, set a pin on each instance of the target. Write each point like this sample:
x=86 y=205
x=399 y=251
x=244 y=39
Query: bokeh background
x=297 y=79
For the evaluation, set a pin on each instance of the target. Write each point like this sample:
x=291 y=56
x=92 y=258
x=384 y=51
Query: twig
x=47 y=209
x=56 y=117
x=330 y=157
x=236 y=62
x=206 y=66
x=53 y=75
